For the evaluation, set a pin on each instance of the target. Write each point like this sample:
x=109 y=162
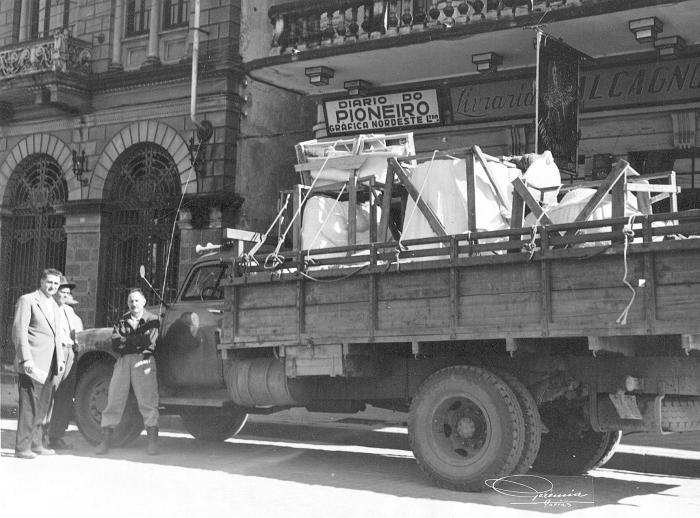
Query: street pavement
x=669 y=454
x=297 y=464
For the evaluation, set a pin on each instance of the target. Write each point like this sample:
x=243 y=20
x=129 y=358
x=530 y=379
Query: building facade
x=103 y=166
x=368 y=65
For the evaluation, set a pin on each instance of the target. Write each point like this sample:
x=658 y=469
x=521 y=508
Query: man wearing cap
x=63 y=400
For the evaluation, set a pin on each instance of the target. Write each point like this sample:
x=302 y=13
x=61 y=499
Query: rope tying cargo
x=628 y=233
x=283 y=235
x=273 y=261
x=532 y=245
x=335 y=279
x=249 y=258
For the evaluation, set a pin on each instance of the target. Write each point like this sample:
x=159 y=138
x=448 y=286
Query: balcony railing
x=306 y=25
x=59 y=53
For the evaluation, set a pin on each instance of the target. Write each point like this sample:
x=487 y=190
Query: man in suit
x=39 y=361
x=63 y=400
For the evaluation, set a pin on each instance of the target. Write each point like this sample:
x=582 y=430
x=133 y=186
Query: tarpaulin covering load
x=325 y=223
x=573 y=203
x=542 y=178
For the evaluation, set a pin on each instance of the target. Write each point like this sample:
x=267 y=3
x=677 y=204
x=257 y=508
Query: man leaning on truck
x=134 y=340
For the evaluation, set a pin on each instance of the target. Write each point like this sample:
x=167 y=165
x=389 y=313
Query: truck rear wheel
x=213 y=426
x=465 y=425
x=680 y=414
x=533 y=422
x=571 y=447
x=90 y=401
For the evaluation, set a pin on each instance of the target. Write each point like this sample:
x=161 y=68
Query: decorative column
x=116 y=63
x=82 y=226
x=24 y=20
x=152 y=58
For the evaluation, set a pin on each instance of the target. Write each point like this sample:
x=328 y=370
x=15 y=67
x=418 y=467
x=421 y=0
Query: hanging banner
x=383 y=112
x=557 y=118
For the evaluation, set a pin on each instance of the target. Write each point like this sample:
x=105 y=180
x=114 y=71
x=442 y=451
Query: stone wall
x=9 y=21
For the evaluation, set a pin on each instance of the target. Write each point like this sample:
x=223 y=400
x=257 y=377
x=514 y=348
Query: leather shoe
x=25 y=454
x=43 y=451
x=60 y=444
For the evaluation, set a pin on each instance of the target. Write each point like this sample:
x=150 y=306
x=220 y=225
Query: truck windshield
x=204 y=283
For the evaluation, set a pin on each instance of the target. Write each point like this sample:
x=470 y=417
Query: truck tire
x=91 y=399
x=213 y=427
x=571 y=447
x=533 y=422
x=464 y=426
x=680 y=414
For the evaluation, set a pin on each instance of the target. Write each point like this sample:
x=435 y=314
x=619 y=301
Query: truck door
x=188 y=354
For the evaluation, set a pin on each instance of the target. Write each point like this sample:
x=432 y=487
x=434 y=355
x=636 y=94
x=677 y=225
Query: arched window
x=34 y=236
x=142 y=195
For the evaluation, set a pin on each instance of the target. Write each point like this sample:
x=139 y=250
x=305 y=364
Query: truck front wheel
x=91 y=399
x=218 y=426
x=465 y=426
x=572 y=447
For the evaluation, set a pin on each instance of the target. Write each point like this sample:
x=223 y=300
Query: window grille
x=34 y=236
x=175 y=13
x=137 y=17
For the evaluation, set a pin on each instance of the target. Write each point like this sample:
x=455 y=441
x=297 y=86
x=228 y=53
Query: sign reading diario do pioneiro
x=383 y=112
x=600 y=89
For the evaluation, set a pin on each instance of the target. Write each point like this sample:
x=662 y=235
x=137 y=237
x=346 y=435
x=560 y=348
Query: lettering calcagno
x=662 y=79
x=599 y=89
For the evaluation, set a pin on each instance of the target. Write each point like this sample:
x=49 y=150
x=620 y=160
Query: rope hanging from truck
x=628 y=232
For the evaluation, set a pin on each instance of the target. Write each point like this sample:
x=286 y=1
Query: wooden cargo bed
x=529 y=284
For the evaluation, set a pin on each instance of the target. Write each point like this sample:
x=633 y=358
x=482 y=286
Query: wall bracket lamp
x=646 y=29
x=669 y=47
x=80 y=166
x=357 y=87
x=197 y=146
x=319 y=76
x=487 y=61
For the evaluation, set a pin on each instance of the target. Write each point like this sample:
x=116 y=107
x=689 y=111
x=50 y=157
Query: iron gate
x=34 y=237
x=143 y=190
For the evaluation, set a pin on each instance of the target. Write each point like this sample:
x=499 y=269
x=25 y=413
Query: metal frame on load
x=622 y=179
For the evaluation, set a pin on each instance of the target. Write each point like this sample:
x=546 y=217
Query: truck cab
x=190 y=368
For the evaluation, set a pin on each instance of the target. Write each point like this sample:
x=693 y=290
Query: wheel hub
x=461 y=427
x=466 y=428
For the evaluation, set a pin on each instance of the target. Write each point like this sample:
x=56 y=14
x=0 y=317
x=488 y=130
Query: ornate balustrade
x=305 y=25
x=59 y=53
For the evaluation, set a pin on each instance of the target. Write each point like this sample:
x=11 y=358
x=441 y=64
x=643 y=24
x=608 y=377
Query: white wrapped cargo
x=444 y=189
x=325 y=223
x=573 y=203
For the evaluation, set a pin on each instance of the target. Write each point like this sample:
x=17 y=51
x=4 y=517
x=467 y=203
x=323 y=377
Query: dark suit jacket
x=35 y=333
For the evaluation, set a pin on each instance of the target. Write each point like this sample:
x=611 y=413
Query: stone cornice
x=205 y=104
x=114 y=81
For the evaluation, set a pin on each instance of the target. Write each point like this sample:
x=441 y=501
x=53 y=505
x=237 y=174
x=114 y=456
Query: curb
x=654 y=464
